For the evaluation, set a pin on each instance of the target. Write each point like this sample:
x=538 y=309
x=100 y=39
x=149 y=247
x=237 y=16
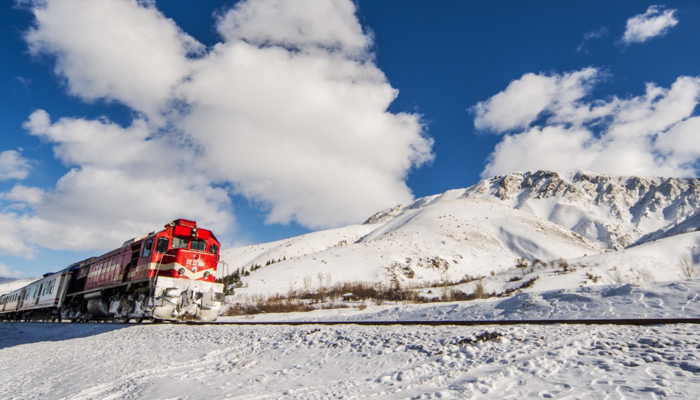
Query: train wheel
x=139 y=320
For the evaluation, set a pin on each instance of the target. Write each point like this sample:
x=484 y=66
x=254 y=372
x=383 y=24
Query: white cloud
x=304 y=130
x=24 y=194
x=525 y=99
x=288 y=110
x=300 y=24
x=654 y=22
x=7 y=272
x=124 y=50
x=651 y=134
x=122 y=180
x=13 y=165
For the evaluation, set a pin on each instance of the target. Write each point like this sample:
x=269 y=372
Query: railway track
x=616 y=321
x=621 y=321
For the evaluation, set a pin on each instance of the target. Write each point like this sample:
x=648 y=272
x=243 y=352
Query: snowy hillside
x=448 y=240
x=620 y=229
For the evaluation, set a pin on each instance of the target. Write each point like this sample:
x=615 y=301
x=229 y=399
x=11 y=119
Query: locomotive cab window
x=213 y=248
x=147 y=248
x=162 y=244
x=200 y=245
x=179 y=243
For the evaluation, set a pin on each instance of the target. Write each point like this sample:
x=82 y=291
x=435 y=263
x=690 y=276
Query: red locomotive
x=167 y=275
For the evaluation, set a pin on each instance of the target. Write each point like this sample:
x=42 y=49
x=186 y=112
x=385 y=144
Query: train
x=167 y=275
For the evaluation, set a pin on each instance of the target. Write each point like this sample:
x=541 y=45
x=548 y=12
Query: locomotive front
x=167 y=275
x=184 y=273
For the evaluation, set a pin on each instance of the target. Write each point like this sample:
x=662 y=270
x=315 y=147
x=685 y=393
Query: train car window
x=200 y=245
x=213 y=248
x=179 y=243
x=147 y=248
x=162 y=244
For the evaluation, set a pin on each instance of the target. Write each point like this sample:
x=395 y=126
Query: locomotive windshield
x=200 y=245
x=179 y=243
x=162 y=244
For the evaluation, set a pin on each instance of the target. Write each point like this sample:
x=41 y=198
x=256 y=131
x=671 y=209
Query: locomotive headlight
x=194 y=270
x=206 y=275
x=181 y=271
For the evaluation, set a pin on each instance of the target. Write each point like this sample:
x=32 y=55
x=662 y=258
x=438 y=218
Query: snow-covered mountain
x=593 y=220
x=612 y=210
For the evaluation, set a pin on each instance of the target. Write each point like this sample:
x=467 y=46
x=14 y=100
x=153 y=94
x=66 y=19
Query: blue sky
x=265 y=119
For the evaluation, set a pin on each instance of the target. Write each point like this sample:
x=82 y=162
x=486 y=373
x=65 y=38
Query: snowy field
x=168 y=361
x=57 y=361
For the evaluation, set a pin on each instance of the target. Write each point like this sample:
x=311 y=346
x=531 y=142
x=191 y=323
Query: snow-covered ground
x=62 y=361
x=169 y=361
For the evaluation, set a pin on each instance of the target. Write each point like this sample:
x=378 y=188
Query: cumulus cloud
x=651 y=134
x=299 y=121
x=123 y=50
x=288 y=110
x=297 y=24
x=654 y=22
x=525 y=99
x=13 y=165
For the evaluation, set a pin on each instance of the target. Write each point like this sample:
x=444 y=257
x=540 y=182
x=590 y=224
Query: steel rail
x=616 y=321
x=597 y=321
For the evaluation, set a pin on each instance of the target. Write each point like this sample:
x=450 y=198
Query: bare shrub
x=644 y=276
x=616 y=276
x=593 y=278
x=479 y=291
x=687 y=266
x=377 y=301
x=522 y=263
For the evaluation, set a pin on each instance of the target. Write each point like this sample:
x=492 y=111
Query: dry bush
x=593 y=278
x=479 y=291
x=644 y=275
x=274 y=304
x=378 y=294
x=687 y=266
x=616 y=276
x=333 y=306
